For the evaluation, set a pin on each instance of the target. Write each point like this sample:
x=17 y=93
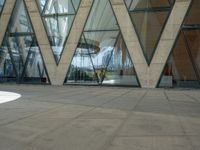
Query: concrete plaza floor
x=100 y=118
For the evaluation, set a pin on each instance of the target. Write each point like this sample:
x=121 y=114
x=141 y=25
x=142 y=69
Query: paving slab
x=151 y=143
x=99 y=118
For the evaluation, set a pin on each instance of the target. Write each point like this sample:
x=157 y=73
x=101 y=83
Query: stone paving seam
x=109 y=142
x=29 y=116
x=60 y=126
x=180 y=122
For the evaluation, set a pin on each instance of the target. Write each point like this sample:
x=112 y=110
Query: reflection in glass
x=101 y=56
x=58 y=16
x=139 y=4
x=21 y=60
x=82 y=70
x=120 y=70
x=101 y=17
x=193 y=41
x=19 y=21
x=7 y=73
x=1 y=4
x=149 y=27
x=181 y=68
x=149 y=18
x=193 y=15
x=58 y=30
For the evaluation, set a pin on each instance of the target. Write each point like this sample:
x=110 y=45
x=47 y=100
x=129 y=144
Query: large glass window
x=193 y=15
x=183 y=66
x=58 y=16
x=101 y=56
x=149 y=18
x=21 y=59
x=1 y=5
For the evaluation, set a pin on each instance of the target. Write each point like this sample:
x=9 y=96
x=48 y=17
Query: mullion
x=2 y=6
x=27 y=60
x=39 y=70
x=19 y=50
x=94 y=69
x=169 y=2
x=130 y=5
x=45 y=7
x=11 y=57
x=190 y=56
x=29 y=27
x=191 y=27
x=51 y=33
x=110 y=56
x=41 y=73
x=73 y=5
x=57 y=15
x=16 y=34
x=172 y=2
x=58 y=28
x=107 y=3
x=152 y=9
x=101 y=30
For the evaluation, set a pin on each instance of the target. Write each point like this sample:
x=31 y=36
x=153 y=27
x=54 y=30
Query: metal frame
x=110 y=57
x=94 y=69
x=9 y=34
x=139 y=85
x=190 y=56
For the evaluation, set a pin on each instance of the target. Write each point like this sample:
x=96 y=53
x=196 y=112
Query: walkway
x=99 y=118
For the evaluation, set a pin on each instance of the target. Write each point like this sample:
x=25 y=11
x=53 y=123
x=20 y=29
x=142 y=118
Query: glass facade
x=58 y=16
x=183 y=66
x=20 y=57
x=1 y=4
x=101 y=56
x=149 y=18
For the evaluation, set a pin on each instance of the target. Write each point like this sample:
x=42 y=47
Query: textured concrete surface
x=100 y=118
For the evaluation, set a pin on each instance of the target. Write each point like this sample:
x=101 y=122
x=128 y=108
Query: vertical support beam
x=149 y=75
x=58 y=73
x=5 y=17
